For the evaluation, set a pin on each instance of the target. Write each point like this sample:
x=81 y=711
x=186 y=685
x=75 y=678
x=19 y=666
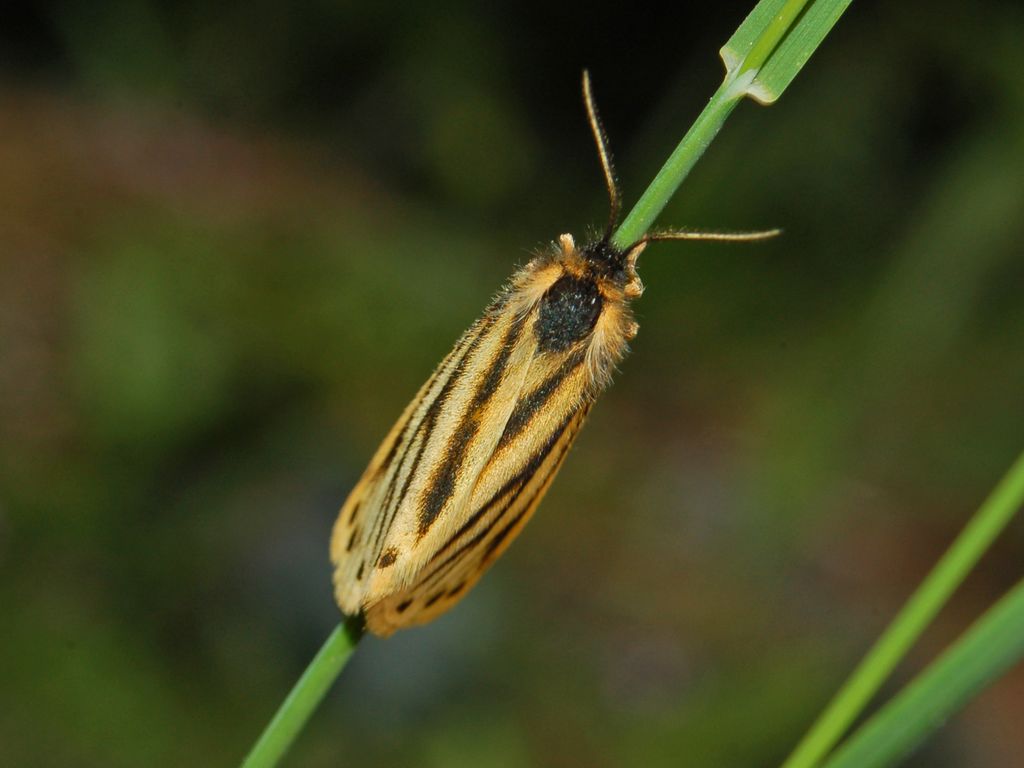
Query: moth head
x=613 y=269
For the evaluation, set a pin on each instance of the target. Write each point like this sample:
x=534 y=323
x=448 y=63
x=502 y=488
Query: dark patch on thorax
x=568 y=312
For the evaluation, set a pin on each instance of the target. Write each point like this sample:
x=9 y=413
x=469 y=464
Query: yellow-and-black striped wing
x=356 y=539
x=481 y=538
x=424 y=471
x=460 y=473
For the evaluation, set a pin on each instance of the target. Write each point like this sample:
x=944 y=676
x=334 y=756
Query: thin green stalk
x=653 y=201
x=704 y=129
x=987 y=650
x=759 y=36
x=930 y=596
x=772 y=36
x=305 y=696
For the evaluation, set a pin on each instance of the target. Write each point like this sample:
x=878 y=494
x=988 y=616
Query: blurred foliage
x=235 y=240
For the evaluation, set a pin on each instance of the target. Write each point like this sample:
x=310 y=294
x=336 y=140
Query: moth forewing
x=453 y=571
x=467 y=427
x=353 y=548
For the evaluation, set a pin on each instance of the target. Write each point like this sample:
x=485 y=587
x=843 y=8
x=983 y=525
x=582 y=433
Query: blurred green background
x=235 y=238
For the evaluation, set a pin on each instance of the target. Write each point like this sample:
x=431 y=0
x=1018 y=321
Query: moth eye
x=568 y=312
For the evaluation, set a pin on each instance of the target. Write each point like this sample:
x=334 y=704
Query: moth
x=467 y=463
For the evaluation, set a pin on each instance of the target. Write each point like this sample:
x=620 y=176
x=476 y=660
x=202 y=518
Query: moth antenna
x=677 y=234
x=601 y=139
x=636 y=248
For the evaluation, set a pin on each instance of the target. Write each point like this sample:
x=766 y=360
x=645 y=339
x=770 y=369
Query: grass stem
x=323 y=670
x=678 y=166
x=920 y=609
x=987 y=650
x=704 y=129
x=305 y=696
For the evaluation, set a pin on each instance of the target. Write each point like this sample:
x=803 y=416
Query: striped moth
x=464 y=468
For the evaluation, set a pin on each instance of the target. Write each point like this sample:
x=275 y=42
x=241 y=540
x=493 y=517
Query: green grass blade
x=776 y=40
x=988 y=649
x=794 y=51
x=763 y=28
x=305 y=696
x=931 y=595
x=678 y=166
x=761 y=58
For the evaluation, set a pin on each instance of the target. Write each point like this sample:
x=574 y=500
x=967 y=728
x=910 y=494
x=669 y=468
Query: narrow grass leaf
x=776 y=40
x=304 y=698
x=986 y=651
x=936 y=589
x=761 y=58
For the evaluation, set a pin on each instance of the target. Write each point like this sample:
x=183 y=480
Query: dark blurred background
x=235 y=238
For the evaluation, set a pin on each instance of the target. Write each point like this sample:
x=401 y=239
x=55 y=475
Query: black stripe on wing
x=443 y=584
x=531 y=403
x=443 y=481
x=508 y=497
x=421 y=429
